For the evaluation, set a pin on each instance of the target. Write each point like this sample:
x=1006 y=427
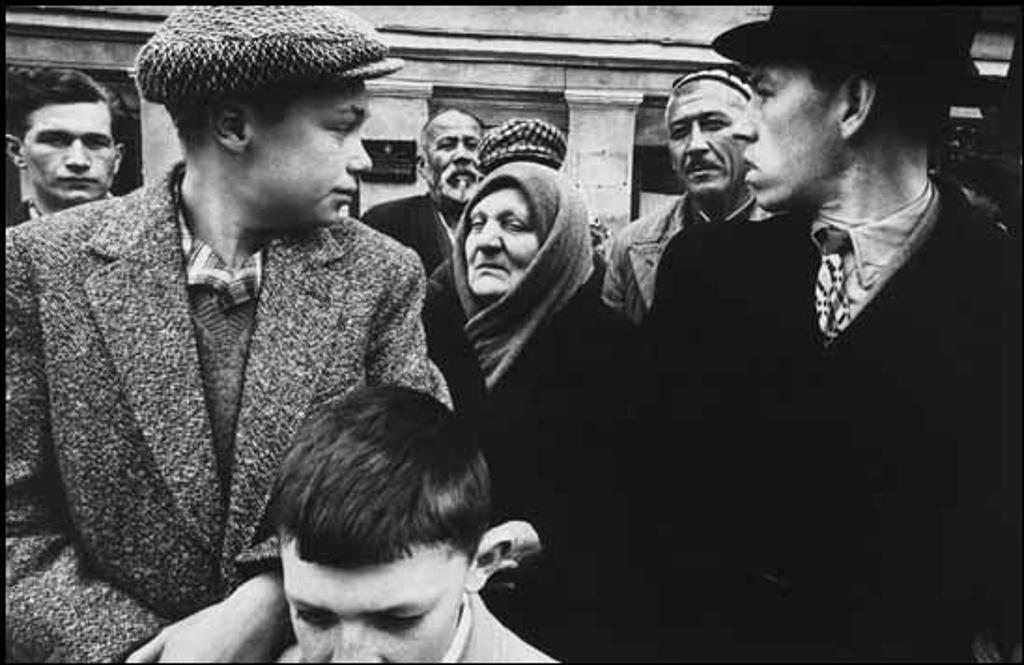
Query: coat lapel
x=140 y=304
x=296 y=318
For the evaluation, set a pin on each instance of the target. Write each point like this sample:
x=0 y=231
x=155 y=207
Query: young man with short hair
x=60 y=137
x=163 y=347
x=382 y=509
x=447 y=161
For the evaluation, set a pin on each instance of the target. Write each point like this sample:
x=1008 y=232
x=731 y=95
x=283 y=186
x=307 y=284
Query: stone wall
x=588 y=69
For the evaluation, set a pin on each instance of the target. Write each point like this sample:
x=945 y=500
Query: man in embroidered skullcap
x=703 y=110
x=163 y=347
x=845 y=376
x=447 y=162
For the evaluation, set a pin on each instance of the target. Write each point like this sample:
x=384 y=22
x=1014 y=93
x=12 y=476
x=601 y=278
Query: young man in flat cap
x=163 y=347
x=448 y=162
x=703 y=109
x=848 y=371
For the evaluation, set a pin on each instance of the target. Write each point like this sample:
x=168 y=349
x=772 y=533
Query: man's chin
x=709 y=189
x=459 y=197
x=78 y=197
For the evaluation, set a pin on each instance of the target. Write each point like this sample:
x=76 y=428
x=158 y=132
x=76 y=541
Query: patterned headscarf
x=500 y=330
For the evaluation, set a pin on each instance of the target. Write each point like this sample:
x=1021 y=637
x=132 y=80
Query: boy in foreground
x=382 y=509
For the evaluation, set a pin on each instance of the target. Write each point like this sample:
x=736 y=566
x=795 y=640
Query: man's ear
x=15 y=151
x=232 y=126
x=422 y=167
x=857 y=98
x=501 y=548
x=118 y=156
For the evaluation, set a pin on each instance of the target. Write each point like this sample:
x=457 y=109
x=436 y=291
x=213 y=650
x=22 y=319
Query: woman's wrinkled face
x=501 y=243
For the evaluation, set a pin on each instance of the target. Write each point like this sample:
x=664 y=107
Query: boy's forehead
x=419 y=580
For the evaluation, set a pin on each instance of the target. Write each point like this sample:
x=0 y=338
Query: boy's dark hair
x=378 y=473
x=32 y=88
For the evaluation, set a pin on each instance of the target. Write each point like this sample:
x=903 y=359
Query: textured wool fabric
x=115 y=524
x=203 y=53
x=222 y=336
x=522 y=140
x=563 y=263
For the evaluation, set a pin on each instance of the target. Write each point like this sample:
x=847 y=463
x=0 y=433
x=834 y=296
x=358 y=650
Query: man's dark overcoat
x=415 y=222
x=857 y=501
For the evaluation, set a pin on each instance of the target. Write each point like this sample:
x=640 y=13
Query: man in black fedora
x=847 y=373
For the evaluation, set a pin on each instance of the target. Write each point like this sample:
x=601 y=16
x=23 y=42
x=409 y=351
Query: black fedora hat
x=927 y=42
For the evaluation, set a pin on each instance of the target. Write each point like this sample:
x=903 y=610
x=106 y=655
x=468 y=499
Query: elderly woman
x=516 y=323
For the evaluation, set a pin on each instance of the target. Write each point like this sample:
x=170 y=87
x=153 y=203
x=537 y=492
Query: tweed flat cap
x=205 y=53
x=522 y=140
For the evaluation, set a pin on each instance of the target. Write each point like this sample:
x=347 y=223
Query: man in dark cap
x=845 y=376
x=522 y=140
x=448 y=163
x=163 y=347
x=702 y=111
x=533 y=140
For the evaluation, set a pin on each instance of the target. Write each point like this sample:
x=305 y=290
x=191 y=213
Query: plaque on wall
x=393 y=161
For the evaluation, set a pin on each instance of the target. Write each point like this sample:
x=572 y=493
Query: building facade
x=600 y=73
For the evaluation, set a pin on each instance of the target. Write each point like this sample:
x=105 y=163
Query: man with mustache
x=447 y=161
x=60 y=136
x=845 y=376
x=701 y=115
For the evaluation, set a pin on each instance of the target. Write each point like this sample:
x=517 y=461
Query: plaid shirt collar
x=205 y=269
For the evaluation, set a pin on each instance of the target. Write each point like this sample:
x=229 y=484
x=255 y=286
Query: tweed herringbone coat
x=115 y=521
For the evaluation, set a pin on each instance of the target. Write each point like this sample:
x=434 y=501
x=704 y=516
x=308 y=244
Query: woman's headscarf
x=564 y=261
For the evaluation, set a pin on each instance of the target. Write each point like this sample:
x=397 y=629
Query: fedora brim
x=763 y=41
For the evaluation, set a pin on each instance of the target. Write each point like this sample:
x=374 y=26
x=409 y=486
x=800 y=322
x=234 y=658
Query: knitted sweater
x=223 y=338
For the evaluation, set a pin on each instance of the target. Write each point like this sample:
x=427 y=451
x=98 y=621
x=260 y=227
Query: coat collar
x=491 y=642
x=140 y=301
x=153 y=225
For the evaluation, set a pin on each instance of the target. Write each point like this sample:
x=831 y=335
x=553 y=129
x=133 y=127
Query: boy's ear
x=232 y=126
x=502 y=547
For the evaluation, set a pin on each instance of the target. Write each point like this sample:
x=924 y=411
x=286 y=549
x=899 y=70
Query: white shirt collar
x=461 y=638
x=878 y=243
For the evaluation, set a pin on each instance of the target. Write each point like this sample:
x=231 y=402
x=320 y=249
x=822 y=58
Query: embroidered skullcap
x=522 y=140
x=201 y=54
x=717 y=74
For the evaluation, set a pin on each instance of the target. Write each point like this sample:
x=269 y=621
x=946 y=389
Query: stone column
x=602 y=125
x=398 y=111
x=160 y=147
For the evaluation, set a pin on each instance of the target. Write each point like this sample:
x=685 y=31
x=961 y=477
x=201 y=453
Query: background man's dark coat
x=414 y=222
